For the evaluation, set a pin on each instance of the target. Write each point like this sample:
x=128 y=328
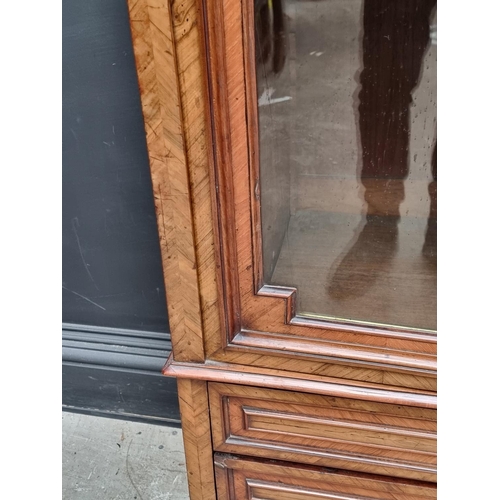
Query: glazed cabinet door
x=325 y=165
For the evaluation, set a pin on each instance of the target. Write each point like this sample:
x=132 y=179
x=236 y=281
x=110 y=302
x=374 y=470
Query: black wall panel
x=112 y=272
x=115 y=325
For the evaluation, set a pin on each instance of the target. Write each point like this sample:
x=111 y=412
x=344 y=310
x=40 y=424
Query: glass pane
x=348 y=147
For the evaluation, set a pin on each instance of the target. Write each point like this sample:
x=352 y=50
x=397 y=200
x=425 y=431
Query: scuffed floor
x=112 y=459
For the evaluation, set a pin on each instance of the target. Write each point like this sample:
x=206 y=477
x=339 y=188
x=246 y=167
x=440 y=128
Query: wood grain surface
x=244 y=479
x=351 y=434
x=193 y=403
x=293 y=381
x=191 y=57
x=152 y=33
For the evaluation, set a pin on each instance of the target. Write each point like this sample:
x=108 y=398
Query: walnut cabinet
x=293 y=157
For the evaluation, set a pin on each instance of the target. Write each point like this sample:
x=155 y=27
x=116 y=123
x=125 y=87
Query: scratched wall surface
x=112 y=273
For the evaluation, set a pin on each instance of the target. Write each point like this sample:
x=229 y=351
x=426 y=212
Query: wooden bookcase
x=275 y=404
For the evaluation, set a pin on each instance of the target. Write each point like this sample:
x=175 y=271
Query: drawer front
x=344 y=433
x=244 y=479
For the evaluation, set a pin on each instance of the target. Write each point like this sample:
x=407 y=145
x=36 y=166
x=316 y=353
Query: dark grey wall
x=115 y=332
x=111 y=260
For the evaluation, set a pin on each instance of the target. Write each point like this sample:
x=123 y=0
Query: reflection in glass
x=348 y=155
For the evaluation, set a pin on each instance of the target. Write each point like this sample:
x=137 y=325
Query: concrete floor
x=112 y=459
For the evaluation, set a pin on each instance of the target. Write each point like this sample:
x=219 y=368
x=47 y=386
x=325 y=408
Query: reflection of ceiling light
x=434 y=34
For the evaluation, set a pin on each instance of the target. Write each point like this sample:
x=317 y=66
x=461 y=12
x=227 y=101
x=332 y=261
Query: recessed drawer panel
x=244 y=479
x=344 y=433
